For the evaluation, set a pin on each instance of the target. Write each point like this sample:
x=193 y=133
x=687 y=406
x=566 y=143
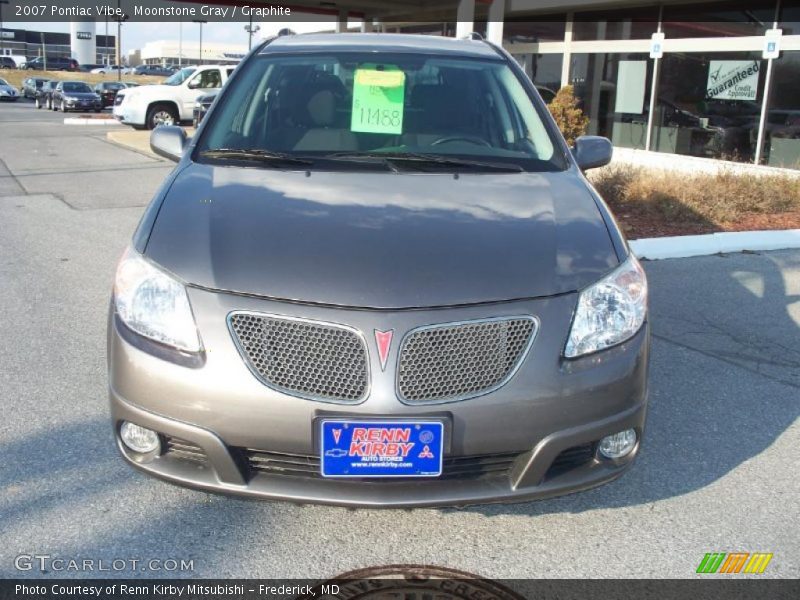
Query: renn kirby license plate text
x=381 y=449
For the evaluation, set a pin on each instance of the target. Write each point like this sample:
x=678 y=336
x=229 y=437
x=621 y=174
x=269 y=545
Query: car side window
x=209 y=79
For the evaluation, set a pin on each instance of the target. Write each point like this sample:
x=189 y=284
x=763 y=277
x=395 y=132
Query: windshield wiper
x=420 y=159
x=265 y=156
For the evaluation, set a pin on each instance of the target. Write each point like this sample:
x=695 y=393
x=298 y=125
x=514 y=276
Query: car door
x=197 y=85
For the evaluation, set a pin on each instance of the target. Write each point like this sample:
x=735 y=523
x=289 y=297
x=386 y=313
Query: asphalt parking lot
x=718 y=471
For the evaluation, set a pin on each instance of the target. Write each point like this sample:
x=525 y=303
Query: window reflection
x=782 y=130
x=720 y=19
x=626 y=24
x=614 y=91
x=709 y=104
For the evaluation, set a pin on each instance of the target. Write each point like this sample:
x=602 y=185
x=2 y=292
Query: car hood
x=8 y=88
x=79 y=95
x=381 y=240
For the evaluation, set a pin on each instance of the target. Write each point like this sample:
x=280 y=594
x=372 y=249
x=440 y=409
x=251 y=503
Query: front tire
x=63 y=107
x=37 y=103
x=161 y=114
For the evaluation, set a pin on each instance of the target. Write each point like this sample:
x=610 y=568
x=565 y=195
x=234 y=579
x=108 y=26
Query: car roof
x=385 y=42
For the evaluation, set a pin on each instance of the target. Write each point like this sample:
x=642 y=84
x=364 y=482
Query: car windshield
x=76 y=87
x=114 y=86
x=3 y=82
x=179 y=77
x=396 y=106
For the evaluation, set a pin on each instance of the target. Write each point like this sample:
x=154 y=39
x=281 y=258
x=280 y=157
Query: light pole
x=252 y=31
x=2 y=43
x=200 y=22
x=120 y=19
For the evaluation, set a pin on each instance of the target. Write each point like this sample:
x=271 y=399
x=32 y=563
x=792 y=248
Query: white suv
x=172 y=101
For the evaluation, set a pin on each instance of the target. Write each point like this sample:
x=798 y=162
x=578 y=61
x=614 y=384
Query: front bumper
x=214 y=417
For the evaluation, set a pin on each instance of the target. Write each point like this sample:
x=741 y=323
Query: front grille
x=301 y=465
x=178 y=448
x=461 y=360
x=569 y=459
x=309 y=359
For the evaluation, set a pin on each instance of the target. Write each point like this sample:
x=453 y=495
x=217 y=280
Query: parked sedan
x=44 y=94
x=156 y=70
x=107 y=90
x=8 y=91
x=112 y=69
x=201 y=106
x=31 y=84
x=75 y=95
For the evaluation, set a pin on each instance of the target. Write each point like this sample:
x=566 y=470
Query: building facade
x=711 y=89
x=30 y=44
x=186 y=52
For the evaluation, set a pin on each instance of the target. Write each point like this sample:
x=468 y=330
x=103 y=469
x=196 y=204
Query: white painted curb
x=683 y=246
x=79 y=121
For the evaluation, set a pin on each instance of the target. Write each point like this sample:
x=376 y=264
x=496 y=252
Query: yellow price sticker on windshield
x=378 y=98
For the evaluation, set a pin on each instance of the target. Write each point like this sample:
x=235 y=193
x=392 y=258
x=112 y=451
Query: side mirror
x=592 y=151
x=168 y=141
x=194 y=84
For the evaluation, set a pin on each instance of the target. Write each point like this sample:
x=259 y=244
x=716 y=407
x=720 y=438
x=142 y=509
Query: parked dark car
x=107 y=90
x=156 y=70
x=31 y=84
x=201 y=106
x=6 y=62
x=44 y=95
x=401 y=289
x=53 y=64
x=8 y=92
x=75 y=95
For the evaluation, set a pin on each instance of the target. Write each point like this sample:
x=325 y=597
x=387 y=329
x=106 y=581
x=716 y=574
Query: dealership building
x=717 y=81
x=82 y=44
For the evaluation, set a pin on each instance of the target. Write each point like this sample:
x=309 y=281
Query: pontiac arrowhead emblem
x=383 y=339
x=337 y=433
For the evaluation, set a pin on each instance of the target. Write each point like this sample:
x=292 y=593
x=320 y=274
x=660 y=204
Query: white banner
x=733 y=79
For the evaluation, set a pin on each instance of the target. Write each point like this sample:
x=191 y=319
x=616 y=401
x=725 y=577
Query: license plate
x=381 y=448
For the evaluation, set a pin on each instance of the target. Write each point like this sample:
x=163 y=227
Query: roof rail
x=473 y=35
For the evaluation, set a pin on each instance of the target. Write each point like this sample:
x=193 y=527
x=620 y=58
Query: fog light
x=618 y=445
x=139 y=439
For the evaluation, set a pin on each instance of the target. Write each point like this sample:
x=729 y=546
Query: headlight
x=610 y=311
x=154 y=304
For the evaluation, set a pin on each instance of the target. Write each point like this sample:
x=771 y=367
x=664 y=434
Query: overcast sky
x=136 y=35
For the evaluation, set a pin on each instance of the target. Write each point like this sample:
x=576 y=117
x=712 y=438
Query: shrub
x=675 y=203
x=568 y=115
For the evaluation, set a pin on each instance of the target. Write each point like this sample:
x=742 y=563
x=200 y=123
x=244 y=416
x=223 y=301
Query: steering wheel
x=470 y=139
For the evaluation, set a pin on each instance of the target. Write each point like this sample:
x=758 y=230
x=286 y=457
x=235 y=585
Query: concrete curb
x=80 y=121
x=683 y=246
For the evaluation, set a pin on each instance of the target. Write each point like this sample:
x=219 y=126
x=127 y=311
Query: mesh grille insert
x=453 y=467
x=461 y=360
x=304 y=358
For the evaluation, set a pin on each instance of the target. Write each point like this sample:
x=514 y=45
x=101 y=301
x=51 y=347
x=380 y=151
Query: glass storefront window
x=719 y=19
x=782 y=129
x=614 y=91
x=627 y=24
x=789 y=19
x=544 y=70
x=549 y=28
x=709 y=104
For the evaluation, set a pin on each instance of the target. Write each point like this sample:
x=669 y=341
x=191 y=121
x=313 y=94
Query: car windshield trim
x=304 y=104
x=262 y=156
x=419 y=159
